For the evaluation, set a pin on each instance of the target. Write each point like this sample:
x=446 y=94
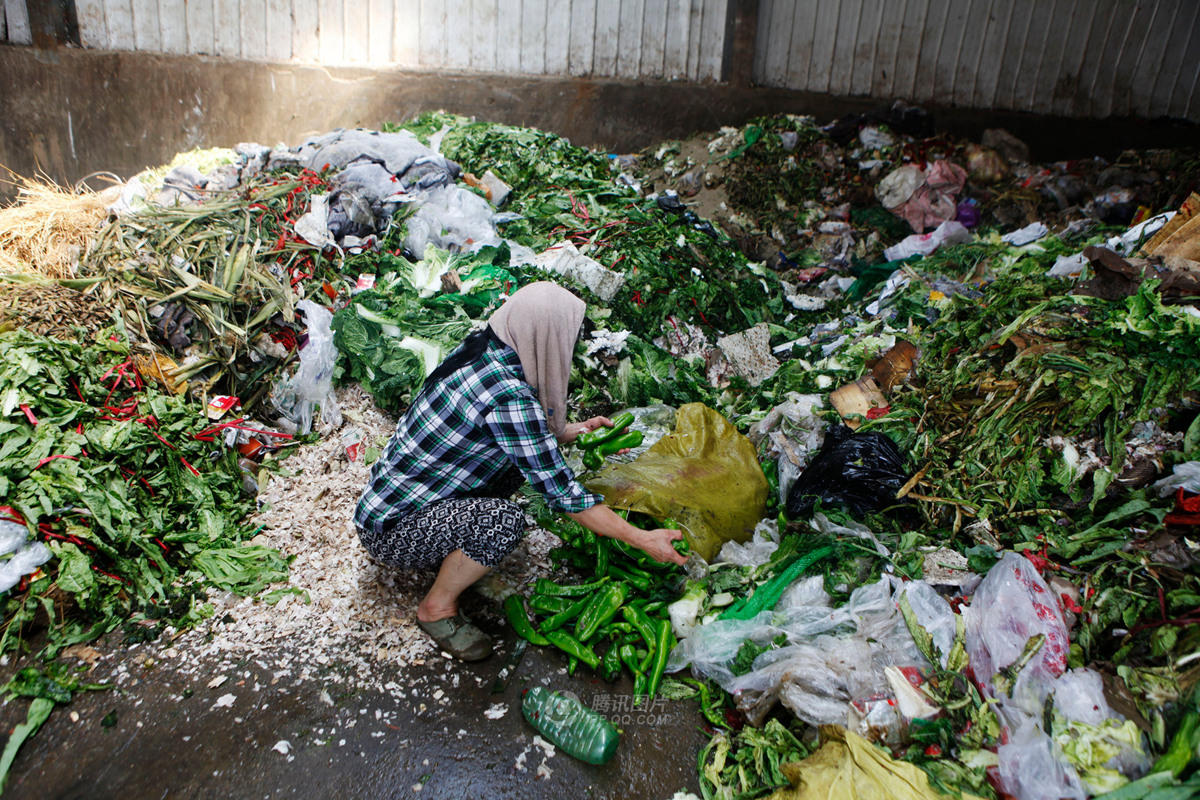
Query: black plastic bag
x=860 y=471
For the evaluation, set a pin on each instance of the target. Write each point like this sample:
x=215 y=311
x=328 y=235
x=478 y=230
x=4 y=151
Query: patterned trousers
x=486 y=526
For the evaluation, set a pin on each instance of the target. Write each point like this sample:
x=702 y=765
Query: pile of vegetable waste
x=1039 y=412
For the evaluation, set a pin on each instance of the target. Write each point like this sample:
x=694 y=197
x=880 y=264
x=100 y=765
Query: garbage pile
x=934 y=408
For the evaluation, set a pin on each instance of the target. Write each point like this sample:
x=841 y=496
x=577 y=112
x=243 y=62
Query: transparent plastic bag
x=758 y=550
x=1032 y=767
x=451 y=218
x=1102 y=746
x=24 y=555
x=790 y=434
x=1185 y=476
x=933 y=614
x=704 y=475
x=1012 y=605
x=834 y=656
x=312 y=385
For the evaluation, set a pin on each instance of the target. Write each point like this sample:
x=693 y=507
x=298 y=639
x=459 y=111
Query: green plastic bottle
x=570 y=725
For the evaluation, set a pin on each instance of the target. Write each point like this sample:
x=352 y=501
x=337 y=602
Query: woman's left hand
x=574 y=430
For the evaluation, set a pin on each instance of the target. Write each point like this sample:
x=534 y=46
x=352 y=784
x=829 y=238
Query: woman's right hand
x=657 y=545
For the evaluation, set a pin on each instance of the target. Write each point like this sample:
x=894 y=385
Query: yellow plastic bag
x=704 y=475
x=848 y=767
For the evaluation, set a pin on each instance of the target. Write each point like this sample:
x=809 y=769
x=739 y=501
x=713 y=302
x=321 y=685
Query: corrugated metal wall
x=672 y=39
x=1085 y=58
x=14 y=22
x=1090 y=58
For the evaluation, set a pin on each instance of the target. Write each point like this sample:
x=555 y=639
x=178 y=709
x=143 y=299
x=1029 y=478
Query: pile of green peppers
x=616 y=621
x=603 y=442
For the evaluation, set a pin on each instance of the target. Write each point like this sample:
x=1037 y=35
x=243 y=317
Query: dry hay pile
x=48 y=228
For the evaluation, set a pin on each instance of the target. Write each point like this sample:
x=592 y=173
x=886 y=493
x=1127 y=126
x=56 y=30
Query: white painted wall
x=662 y=39
x=1092 y=58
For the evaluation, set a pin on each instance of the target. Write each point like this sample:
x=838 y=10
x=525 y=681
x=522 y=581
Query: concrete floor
x=174 y=737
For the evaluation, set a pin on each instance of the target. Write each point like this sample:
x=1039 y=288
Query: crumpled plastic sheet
x=848 y=767
x=705 y=476
x=761 y=546
x=792 y=431
x=25 y=555
x=924 y=199
x=834 y=655
x=399 y=153
x=455 y=219
x=1185 y=476
x=296 y=396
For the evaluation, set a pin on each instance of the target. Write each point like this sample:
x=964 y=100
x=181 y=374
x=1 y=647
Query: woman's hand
x=573 y=430
x=604 y=521
x=657 y=545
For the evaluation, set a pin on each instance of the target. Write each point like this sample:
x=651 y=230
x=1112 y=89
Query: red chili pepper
x=933 y=751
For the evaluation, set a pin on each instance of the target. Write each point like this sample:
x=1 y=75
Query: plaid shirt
x=462 y=433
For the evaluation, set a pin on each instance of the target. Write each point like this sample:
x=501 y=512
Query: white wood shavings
x=225 y=701
x=283 y=747
x=358 y=613
x=496 y=711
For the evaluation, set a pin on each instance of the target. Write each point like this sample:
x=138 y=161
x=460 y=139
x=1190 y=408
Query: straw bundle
x=48 y=227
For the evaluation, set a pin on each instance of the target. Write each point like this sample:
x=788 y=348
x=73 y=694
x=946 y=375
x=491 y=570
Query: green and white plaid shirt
x=459 y=435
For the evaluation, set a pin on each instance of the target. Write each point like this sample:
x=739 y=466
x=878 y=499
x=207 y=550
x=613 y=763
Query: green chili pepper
x=602 y=556
x=549 y=604
x=711 y=710
x=610 y=663
x=617 y=629
x=572 y=664
x=544 y=586
x=662 y=648
x=594 y=458
x=515 y=610
x=601 y=609
x=628 y=656
x=616 y=444
x=573 y=647
x=639 y=580
x=639 y=687
x=601 y=435
x=642 y=623
x=561 y=618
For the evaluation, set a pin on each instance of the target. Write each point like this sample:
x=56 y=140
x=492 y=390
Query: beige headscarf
x=541 y=322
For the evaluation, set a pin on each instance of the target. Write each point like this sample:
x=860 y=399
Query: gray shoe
x=458 y=637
